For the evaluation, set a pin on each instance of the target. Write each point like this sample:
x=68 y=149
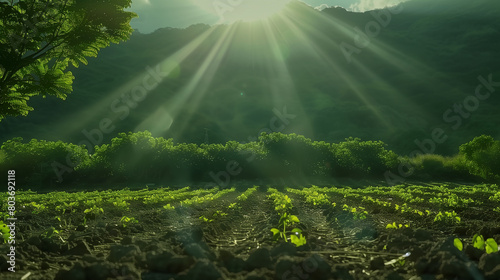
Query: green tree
x=483 y=154
x=40 y=38
x=36 y=161
x=362 y=158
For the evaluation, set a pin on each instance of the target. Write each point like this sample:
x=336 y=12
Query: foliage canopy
x=39 y=39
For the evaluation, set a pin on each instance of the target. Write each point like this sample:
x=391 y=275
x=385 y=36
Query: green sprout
x=121 y=204
x=447 y=217
x=125 y=221
x=489 y=245
x=168 y=207
x=92 y=213
x=296 y=236
x=357 y=215
x=51 y=232
x=5 y=231
x=233 y=206
x=457 y=243
x=205 y=219
x=38 y=208
x=219 y=213
x=394 y=226
x=67 y=207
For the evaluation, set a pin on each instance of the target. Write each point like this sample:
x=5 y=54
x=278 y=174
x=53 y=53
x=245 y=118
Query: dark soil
x=176 y=244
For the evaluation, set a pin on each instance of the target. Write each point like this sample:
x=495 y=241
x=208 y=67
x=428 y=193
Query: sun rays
x=268 y=45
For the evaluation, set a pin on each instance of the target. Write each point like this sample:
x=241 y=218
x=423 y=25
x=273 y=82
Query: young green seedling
x=489 y=245
x=93 y=212
x=296 y=236
x=51 y=232
x=458 y=244
x=205 y=219
x=168 y=207
x=5 y=231
x=394 y=226
x=125 y=221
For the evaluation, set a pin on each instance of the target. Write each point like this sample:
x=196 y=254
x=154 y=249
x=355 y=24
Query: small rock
x=256 y=275
x=90 y=259
x=416 y=253
x=377 y=263
x=127 y=240
x=99 y=271
x=127 y=271
x=316 y=267
x=156 y=276
x=366 y=233
x=236 y=265
x=192 y=235
x=178 y=264
x=473 y=252
x=3 y=263
x=225 y=256
x=393 y=275
x=259 y=258
x=454 y=268
x=77 y=272
x=34 y=240
x=167 y=262
x=45 y=265
x=422 y=234
x=284 y=249
x=81 y=248
x=493 y=274
x=81 y=228
x=121 y=253
x=284 y=268
x=341 y=272
x=155 y=262
x=489 y=262
x=203 y=270
x=114 y=232
x=195 y=250
x=65 y=263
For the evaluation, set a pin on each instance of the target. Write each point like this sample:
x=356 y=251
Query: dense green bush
x=356 y=158
x=483 y=156
x=431 y=166
x=40 y=162
x=141 y=158
x=294 y=155
x=137 y=157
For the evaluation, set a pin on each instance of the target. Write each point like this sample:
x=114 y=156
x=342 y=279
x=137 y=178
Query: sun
x=228 y=11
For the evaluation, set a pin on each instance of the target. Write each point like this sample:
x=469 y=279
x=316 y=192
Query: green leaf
x=457 y=243
x=297 y=230
x=294 y=218
x=491 y=246
x=478 y=241
x=275 y=231
x=393 y=225
x=298 y=240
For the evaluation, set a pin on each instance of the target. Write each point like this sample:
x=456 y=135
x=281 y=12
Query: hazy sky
x=154 y=14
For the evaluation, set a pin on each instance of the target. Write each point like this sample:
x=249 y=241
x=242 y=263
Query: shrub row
x=141 y=158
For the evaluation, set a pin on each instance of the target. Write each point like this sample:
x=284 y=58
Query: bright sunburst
x=246 y=10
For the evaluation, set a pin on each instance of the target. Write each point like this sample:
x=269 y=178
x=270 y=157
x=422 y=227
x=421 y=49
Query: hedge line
x=141 y=158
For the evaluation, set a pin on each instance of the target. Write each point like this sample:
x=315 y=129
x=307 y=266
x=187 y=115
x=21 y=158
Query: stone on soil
x=259 y=258
x=123 y=253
